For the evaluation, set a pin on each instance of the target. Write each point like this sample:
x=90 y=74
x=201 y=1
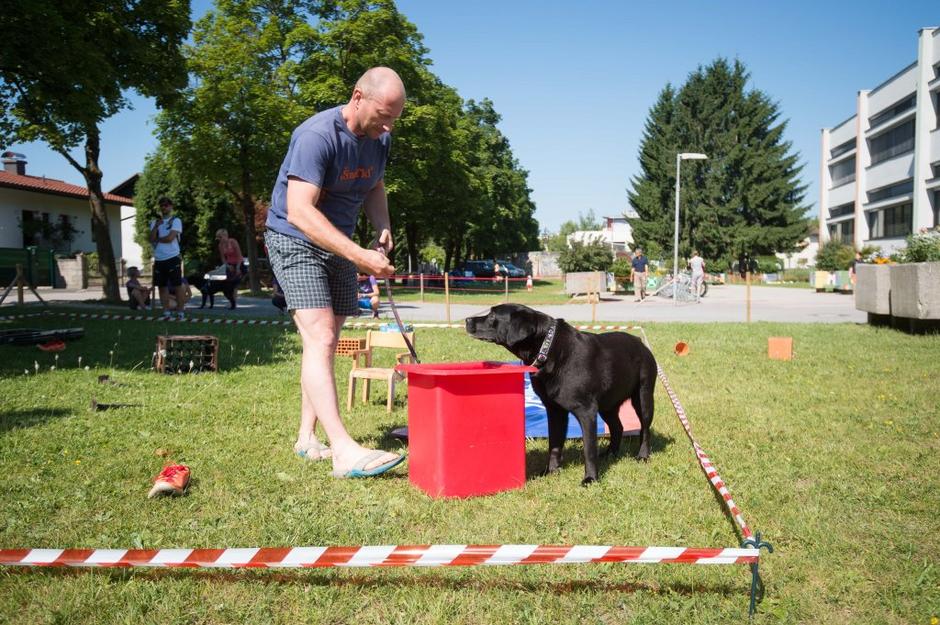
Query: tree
x=232 y=123
x=559 y=242
x=594 y=255
x=65 y=67
x=202 y=206
x=834 y=256
x=746 y=197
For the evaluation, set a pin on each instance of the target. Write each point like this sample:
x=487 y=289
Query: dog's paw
x=548 y=471
x=588 y=481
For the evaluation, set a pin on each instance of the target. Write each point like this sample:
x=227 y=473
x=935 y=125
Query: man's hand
x=375 y=262
x=385 y=244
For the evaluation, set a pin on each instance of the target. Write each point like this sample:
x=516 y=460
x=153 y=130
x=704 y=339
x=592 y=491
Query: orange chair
x=362 y=365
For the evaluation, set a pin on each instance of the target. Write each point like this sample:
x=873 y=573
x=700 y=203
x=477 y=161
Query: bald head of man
x=377 y=102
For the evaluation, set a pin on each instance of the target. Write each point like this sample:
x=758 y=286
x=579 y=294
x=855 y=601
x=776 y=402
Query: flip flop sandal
x=358 y=469
x=315 y=450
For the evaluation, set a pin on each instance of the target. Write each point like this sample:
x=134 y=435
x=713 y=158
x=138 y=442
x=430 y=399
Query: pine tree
x=746 y=197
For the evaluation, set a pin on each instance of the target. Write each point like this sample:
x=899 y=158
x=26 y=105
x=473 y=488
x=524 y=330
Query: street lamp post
x=682 y=156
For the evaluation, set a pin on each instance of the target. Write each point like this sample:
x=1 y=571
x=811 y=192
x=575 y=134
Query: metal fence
x=38 y=265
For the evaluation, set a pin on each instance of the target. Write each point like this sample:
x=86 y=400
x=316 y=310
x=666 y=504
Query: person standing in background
x=639 y=267
x=168 y=264
x=232 y=257
x=698 y=274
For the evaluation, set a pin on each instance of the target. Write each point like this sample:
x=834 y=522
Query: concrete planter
x=915 y=290
x=578 y=282
x=873 y=288
x=72 y=272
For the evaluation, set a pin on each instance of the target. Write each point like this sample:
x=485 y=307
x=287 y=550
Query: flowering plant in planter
x=922 y=247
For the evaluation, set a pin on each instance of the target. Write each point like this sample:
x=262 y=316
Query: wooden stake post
x=747 y=279
x=447 y=297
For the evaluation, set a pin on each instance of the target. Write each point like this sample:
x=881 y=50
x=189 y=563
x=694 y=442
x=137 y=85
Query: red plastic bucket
x=466 y=427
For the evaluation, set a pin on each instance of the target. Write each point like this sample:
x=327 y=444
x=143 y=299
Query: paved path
x=723 y=303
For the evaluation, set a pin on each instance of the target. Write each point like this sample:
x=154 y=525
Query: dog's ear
x=519 y=325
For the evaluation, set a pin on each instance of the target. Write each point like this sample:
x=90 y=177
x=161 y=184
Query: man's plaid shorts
x=310 y=276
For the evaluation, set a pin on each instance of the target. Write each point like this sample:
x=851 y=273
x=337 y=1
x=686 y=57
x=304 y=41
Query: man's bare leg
x=180 y=298
x=165 y=298
x=319 y=330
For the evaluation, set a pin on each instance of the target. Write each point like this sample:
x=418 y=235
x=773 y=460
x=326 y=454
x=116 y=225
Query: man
x=334 y=165
x=698 y=274
x=168 y=266
x=639 y=266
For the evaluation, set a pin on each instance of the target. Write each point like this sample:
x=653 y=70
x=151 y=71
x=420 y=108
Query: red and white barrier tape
x=710 y=471
x=354 y=325
x=373 y=556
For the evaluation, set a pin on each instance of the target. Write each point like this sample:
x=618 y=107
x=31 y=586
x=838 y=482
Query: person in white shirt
x=168 y=265
x=698 y=274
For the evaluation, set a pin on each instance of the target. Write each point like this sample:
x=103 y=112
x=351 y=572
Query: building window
x=937 y=108
x=891 y=222
x=842 y=173
x=891 y=191
x=894 y=142
x=893 y=111
x=841 y=210
x=843 y=231
x=936 y=209
x=842 y=148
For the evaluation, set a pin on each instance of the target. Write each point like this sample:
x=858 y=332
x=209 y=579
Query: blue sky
x=574 y=81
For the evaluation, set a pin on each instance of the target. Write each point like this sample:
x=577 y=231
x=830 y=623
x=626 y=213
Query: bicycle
x=682 y=286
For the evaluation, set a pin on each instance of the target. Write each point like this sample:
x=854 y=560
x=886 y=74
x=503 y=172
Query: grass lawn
x=832 y=456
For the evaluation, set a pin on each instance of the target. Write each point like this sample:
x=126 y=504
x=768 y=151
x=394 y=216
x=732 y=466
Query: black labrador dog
x=209 y=288
x=578 y=372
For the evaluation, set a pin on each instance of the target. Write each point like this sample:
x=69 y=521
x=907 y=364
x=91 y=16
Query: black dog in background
x=209 y=288
x=579 y=372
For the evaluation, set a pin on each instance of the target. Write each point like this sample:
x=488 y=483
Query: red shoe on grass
x=171 y=481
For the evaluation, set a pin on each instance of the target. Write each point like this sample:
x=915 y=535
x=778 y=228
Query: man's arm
x=376 y=209
x=155 y=233
x=303 y=214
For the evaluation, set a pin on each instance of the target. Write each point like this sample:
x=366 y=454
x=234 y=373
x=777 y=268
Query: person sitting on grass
x=137 y=294
x=369 y=296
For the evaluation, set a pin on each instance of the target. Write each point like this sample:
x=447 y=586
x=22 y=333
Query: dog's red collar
x=546 y=345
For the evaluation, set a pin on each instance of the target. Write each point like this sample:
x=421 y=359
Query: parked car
x=477 y=269
x=508 y=269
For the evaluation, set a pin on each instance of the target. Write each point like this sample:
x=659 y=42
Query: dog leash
x=401 y=327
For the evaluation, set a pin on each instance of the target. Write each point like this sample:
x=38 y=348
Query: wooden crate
x=187 y=354
x=345 y=347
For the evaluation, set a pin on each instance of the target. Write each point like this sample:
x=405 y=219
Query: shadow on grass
x=29 y=417
x=536 y=461
x=132 y=344
x=379 y=581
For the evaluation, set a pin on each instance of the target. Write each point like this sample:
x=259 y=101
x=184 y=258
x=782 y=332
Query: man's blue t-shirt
x=323 y=151
x=639 y=264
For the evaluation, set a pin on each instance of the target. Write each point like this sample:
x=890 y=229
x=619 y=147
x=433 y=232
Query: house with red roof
x=35 y=210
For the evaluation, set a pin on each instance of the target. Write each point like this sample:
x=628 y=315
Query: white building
x=805 y=256
x=33 y=210
x=880 y=168
x=616 y=233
